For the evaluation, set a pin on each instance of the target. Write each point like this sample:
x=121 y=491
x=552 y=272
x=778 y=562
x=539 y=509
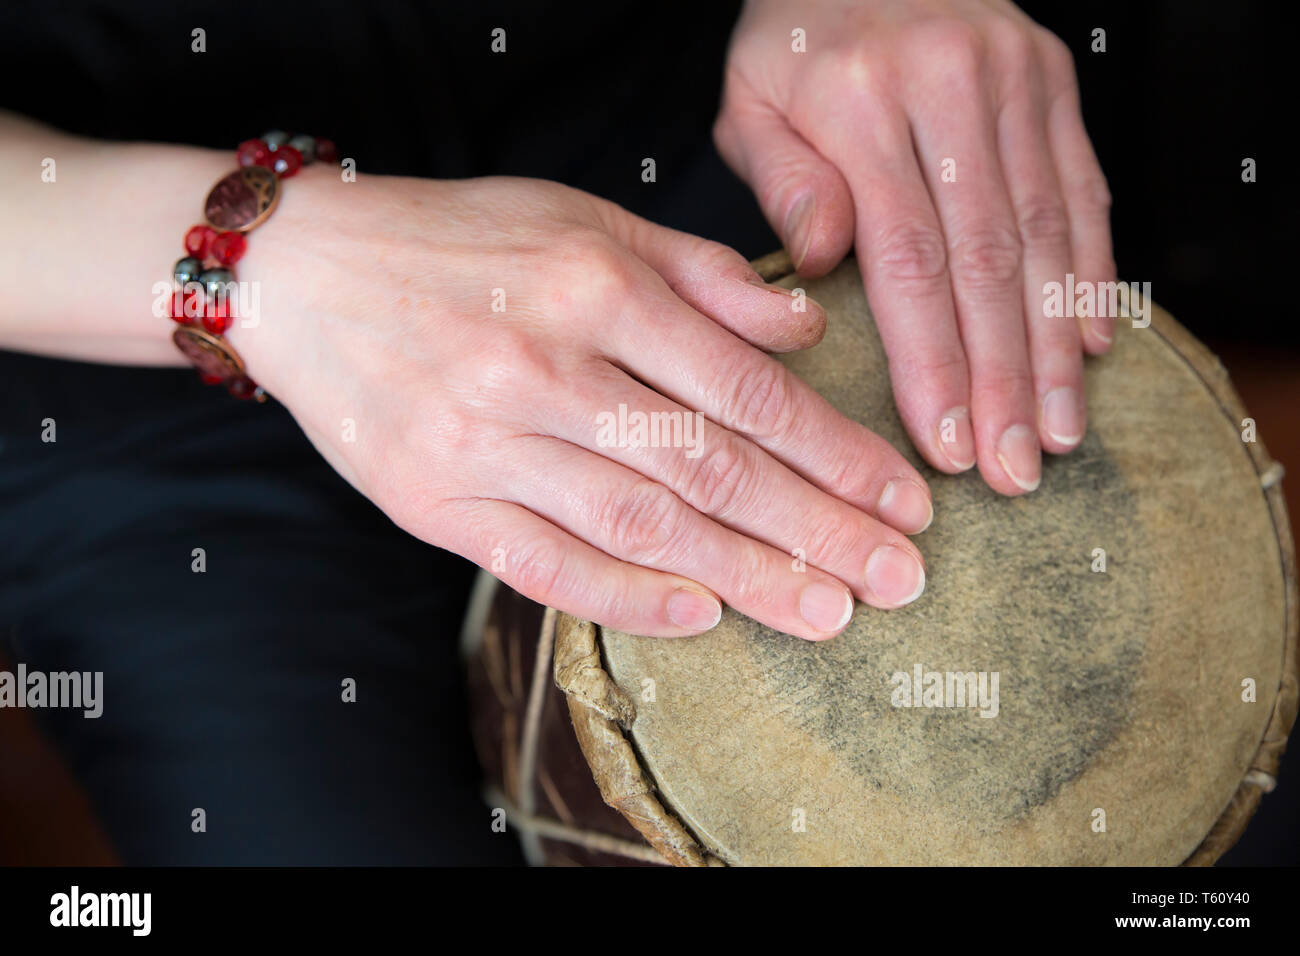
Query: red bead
x=325 y=151
x=217 y=317
x=253 y=152
x=186 y=306
x=210 y=379
x=286 y=161
x=198 y=241
x=228 y=248
x=242 y=387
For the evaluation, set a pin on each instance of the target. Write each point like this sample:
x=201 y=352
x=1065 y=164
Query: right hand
x=477 y=431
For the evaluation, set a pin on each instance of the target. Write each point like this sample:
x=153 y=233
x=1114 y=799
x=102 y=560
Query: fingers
x=554 y=568
x=956 y=134
x=804 y=197
x=1055 y=347
x=641 y=522
x=691 y=361
x=721 y=475
x=1087 y=198
x=718 y=282
x=902 y=252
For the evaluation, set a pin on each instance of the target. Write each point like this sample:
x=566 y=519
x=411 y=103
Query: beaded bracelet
x=202 y=306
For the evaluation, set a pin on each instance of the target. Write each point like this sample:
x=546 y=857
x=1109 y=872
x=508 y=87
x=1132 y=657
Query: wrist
x=219 y=305
x=288 y=272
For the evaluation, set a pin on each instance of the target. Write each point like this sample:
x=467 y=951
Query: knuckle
x=643 y=521
x=414 y=505
x=539 y=569
x=604 y=273
x=1094 y=192
x=717 y=484
x=1015 y=44
x=912 y=251
x=1044 y=222
x=761 y=403
x=929 y=368
x=721 y=129
x=855 y=65
x=999 y=383
x=718 y=259
x=750 y=579
x=511 y=362
x=833 y=543
x=849 y=479
x=591 y=266
x=1057 y=56
x=726 y=134
x=447 y=430
x=988 y=257
x=957 y=44
x=1060 y=338
x=707 y=261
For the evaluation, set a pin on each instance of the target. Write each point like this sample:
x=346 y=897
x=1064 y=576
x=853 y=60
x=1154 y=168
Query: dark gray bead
x=187 y=270
x=275 y=139
x=306 y=145
x=214 y=283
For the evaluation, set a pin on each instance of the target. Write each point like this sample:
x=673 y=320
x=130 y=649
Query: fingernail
x=895 y=576
x=1099 y=330
x=798 y=228
x=1019 y=455
x=956 y=438
x=693 y=610
x=906 y=506
x=1062 y=417
x=825 y=607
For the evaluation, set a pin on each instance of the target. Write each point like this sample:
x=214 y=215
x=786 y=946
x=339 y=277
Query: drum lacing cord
x=523 y=815
x=555 y=830
x=533 y=714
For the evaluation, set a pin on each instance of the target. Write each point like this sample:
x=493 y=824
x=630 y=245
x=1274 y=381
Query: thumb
x=803 y=196
x=716 y=281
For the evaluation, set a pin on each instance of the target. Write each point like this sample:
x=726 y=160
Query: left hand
x=848 y=144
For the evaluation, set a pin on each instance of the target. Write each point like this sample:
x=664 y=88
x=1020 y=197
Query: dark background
x=1185 y=91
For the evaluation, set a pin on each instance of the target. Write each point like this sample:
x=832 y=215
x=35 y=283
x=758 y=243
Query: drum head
x=1124 y=719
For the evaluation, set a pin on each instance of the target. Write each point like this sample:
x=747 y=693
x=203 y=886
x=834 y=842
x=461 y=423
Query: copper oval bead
x=243 y=199
x=209 y=353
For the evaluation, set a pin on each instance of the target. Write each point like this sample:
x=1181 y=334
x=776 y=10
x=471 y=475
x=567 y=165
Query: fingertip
x=826 y=608
x=956 y=441
x=798 y=227
x=906 y=506
x=825 y=231
x=1054 y=446
x=895 y=576
x=1098 y=334
x=1019 y=460
x=1062 y=420
x=799 y=324
x=694 y=609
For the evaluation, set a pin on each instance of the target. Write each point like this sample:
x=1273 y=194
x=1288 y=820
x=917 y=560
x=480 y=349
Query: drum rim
x=602 y=714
